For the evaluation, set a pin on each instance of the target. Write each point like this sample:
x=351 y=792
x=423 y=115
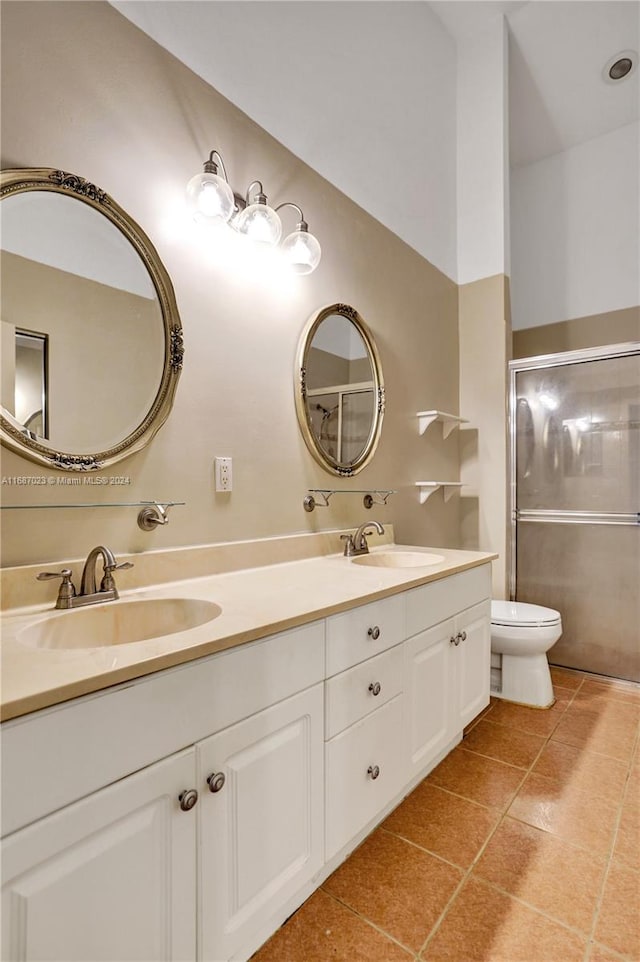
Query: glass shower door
x=577 y=498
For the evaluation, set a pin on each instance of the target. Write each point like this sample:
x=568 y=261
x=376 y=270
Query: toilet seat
x=519 y=614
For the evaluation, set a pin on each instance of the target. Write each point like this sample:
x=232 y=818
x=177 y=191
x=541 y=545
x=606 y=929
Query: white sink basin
x=399 y=559
x=118 y=623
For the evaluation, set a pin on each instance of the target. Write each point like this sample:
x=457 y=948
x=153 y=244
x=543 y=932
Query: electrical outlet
x=224 y=476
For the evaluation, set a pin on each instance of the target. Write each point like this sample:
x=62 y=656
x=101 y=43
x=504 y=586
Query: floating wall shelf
x=427 y=488
x=449 y=421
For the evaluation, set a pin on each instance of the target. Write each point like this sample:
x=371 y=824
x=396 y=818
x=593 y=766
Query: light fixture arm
x=261 y=197
x=211 y=166
x=302 y=224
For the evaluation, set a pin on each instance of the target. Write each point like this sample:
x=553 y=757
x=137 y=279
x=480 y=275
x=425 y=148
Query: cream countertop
x=255 y=602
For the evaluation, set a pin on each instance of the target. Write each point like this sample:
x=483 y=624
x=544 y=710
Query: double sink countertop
x=255 y=602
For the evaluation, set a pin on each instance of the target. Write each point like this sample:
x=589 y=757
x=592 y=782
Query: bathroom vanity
x=185 y=813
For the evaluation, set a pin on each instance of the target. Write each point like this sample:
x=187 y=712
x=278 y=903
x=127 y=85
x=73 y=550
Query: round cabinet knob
x=463 y=636
x=188 y=799
x=374 y=632
x=375 y=688
x=216 y=781
x=373 y=771
x=454 y=640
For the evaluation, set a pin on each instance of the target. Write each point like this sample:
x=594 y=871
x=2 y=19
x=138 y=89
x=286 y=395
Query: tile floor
x=523 y=845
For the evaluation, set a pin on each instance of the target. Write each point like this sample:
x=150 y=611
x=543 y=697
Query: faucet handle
x=66 y=575
x=348 y=544
x=107 y=583
x=67 y=588
x=119 y=567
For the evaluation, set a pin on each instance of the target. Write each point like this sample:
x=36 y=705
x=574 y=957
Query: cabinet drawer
x=356 y=635
x=432 y=603
x=355 y=693
x=353 y=796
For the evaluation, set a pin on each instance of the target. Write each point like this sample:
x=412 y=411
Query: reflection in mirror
x=30 y=395
x=80 y=278
x=341 y=395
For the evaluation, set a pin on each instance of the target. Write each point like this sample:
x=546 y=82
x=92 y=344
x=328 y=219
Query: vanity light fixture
x=258 y=221
x=301 y=249
x=209 y=196
x=212 y=200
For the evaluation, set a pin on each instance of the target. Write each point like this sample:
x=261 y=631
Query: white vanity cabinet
x=297 y=745
x=446 y=663
x=110 y=877
x=260 y=820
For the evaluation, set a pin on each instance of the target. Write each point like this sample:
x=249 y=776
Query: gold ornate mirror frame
x=14 y=181
x=331 y=464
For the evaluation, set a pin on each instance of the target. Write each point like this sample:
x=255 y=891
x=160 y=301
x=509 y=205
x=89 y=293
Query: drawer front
x=356 y=635
x=432 y=603
x=353 y=796
x=357 y=692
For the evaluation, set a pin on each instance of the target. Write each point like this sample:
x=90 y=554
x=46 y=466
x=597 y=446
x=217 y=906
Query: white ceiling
x=557 y=52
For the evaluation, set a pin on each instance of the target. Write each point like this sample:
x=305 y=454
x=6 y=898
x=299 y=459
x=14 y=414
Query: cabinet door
x=261 y=831
x=428 y=710
x=472 y=658
x=110 y=878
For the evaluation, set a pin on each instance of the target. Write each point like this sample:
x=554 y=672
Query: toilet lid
x=521 y=613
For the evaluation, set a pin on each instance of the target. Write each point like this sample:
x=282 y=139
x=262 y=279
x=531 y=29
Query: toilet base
x=526 y=679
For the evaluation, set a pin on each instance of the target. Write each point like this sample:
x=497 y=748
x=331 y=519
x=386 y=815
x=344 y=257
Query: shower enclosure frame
x=542 y=361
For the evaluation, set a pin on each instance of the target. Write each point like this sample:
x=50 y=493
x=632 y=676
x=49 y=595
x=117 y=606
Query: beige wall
x=614 y=327
x=485 y=345
x=85 y=91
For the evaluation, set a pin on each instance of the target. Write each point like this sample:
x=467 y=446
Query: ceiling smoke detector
x=620 y=67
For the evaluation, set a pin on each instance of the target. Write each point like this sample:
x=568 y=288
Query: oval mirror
x=339 y=390
x=91 y=337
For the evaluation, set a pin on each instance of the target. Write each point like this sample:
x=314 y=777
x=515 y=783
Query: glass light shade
x=210 y=198
x=259 y=222
x=302 y=251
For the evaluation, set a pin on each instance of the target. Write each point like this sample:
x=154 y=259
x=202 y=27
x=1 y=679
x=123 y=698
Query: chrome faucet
x=89 y=593
x=356 y=543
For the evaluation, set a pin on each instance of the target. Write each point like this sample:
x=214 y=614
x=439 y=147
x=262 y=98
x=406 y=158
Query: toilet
x=521 y=636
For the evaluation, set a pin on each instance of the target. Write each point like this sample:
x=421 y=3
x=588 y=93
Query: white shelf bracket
x=449 y=421
x=426 y=489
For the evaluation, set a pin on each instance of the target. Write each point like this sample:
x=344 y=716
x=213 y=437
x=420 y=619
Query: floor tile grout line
x=468 y=873
x=465 y=798
x=471 y=751
x=589 y=850
x=427 y=851
x=584 y=748
x=614 y=837
x=373 y=925
x=546 y=739
x=536 y=908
